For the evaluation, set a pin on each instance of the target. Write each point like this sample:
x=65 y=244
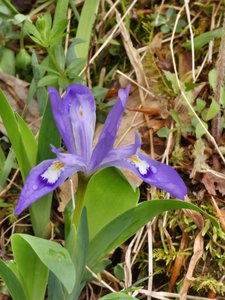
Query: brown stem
x=220 y=67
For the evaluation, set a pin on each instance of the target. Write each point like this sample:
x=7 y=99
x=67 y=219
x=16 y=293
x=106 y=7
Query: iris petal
x=110 y=128
x=73 y=160
x=43 y=179
x=82 y=113
x=61 y=116
x=155 y=173
x=75 y=118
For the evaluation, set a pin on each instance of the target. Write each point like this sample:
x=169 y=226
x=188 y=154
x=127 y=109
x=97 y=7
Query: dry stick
x=192 y=38
x=110 y=10
x=212 y=26
x=207 y=57
x=13 y=228
x=113 y=279
x=150 y=258
x=67 y=30
x=138 y=244
x=202 y=66
x=211 y=138
x=11 y=181
x=100 y=280
x=109 y=38
x=220 y=67
x=217 y=9
x=112 y=7
x=135 y=82
x=134 y=59
x=164 y=295
x=159 y=11
x=128 y=265
x=169 y=142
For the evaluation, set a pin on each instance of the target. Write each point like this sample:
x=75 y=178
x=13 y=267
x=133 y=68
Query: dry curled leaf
x=197 y=251
x=185 y=63
x=16 y=91
x=213 y=182
x=66 y=190
x=179 y=262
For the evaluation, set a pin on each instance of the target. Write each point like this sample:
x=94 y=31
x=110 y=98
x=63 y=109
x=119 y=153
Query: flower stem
x=79 y=202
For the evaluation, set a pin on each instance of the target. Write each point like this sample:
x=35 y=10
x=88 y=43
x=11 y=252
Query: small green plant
x=206 y=283
x=166 y=22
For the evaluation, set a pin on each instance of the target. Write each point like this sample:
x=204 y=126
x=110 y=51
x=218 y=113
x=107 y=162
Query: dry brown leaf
x=213 y=183
x=200 y=158
x=16 y=92
x=197 y=251
x=196 y=217
x=158 y=110
x=156 y=43
x=179 y=262
x=185 y=63
x=209 y=182
x=154 y=111
x=65 y=192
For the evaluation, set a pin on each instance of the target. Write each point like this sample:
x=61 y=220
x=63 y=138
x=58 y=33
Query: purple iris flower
x=75 y=117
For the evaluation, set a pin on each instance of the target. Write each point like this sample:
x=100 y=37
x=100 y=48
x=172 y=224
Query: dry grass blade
x=219 y=214
x=168 y=296
x=109 y=37
x=220 y=67
x=102 y=282
x=192 y=37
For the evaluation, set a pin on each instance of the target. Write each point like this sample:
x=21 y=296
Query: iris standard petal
x=82 y=113
x=43 y=179
x=60 y=112
x=110 y=128
x=155 y=173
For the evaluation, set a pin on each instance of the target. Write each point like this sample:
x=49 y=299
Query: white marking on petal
x=141 y=165
x=52 y=174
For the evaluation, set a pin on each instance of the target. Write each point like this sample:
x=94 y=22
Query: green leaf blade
x=107 y=196
x=13 y=284
x=127 y=224
x=53 y=256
